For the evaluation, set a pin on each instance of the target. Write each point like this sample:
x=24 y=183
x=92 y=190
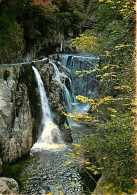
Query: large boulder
x=8 y=186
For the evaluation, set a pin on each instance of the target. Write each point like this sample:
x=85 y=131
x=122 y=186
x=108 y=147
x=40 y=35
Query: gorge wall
x=20 y=110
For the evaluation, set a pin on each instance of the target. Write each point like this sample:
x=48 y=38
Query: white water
x=61 y=46
x=49 y=133
x=67 y=93
x=57 y=73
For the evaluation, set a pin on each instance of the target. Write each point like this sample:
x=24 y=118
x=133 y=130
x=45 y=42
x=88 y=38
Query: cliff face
x=15 y=115
x=20 y=109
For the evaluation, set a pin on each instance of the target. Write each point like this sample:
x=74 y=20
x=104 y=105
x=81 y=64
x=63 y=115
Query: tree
x=112 y=39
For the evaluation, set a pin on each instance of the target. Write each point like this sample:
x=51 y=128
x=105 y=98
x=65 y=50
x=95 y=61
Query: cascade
x=49 y=132
x=85 y=85
x=66 y=91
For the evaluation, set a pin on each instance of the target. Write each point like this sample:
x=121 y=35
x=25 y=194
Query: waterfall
x=83 y=84
x=57 y=73
x=87 y=84
x=64 y=59
x=61 y=46
x=66 y=91
x=48 y=132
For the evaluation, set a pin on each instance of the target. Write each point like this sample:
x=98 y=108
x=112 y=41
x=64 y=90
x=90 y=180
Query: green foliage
x=11 y=38
x=112 y=142
x=28 y=23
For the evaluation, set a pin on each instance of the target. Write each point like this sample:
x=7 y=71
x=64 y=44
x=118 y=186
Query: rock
x=0 y=166
x=10 y=151
x=8 y=186
x=100 y=184
x=17 y=118
x=15 y=114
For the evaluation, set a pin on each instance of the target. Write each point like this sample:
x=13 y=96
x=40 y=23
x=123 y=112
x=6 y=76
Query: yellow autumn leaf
x=59 y=186
x=70 y=150
x=74 y=104
x=77 y=72
x=78 y=152
x=134 y=110
x=106 y=74
x=76 y=145
x=51 y=193
x=112 y=115
x=60 y=193
x=109 y=1
x=134 y=103
x=87 y=163
x=125 y=6
x=96 y=172
x=112 y=109
x=108 y=186
x=81 y=75
x=105 y=67
x=89 y=168
x=135 y=180
x=68 y=155
x=114 y=7
x=68 y=162
x=81 y=161
x=94 y=70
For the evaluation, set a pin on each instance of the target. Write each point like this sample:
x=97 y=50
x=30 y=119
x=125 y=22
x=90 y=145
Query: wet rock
x=56 y=96
x=63 y=69
x=8 y=186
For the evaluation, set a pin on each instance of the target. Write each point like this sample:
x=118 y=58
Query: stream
x=45 y=170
